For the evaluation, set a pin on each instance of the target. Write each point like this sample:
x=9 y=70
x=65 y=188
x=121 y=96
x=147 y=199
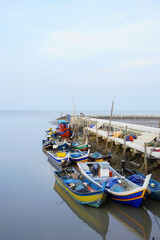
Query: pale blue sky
x=92 y=51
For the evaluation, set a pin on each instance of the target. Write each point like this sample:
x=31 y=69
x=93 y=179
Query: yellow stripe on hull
x=98 y=160
x=82 y=160
x=86 y=199
x=127 y=194
x=130 y=199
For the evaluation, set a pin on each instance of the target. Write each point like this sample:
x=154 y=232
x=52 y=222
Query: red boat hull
x=65 y=132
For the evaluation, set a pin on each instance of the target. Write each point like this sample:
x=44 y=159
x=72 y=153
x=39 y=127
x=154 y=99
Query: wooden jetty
x=104 y=128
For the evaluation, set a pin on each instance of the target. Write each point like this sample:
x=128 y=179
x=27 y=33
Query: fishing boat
x=79 y=156
x=59 y=156
x=51 y=133
x=81 y=190
x=60 y=144
x=50 y=143
x=98 y=157
x=47 y=144
x=139 y=178
x=80 y=146
x=118 y=187
x=63 y=128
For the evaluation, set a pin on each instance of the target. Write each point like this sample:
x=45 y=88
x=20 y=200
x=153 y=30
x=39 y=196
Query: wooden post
x=124 y=146
x=109 y=128
x=83 y=133
x=87 y=129
x=145 y=159
x=111 y=145
x=96 y=131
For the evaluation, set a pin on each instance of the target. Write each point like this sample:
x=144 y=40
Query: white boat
x=59 y=156
x=79 y=156
x=118 y=187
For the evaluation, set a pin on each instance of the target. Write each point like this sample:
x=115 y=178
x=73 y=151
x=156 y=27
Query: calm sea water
x=32 y=206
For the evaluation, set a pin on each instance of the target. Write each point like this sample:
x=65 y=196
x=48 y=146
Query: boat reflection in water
x=136 y=220
x=153 y=205
x=97 y=219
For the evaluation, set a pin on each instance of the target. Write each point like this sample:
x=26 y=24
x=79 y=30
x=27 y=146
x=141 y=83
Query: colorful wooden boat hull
x=65 y=133
x=133 y=200
x=155 y=188
x=94 y=199
x=61 y=145
x=138 y=178
x=57 y=159
x=80 y=159
x=133 y=195
x=100 y=159
x=48 y=145
x=54 y=134
x=82 y=147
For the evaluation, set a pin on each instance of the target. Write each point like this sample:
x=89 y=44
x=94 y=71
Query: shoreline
x=129 y=116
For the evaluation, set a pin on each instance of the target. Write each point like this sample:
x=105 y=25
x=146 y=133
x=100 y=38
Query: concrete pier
x=143 y=134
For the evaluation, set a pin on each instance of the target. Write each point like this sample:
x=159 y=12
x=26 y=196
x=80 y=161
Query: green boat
x=80 y=146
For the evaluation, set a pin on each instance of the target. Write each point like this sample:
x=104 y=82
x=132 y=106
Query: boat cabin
x=63 y=124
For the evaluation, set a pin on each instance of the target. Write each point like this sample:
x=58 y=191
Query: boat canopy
x=63 y=123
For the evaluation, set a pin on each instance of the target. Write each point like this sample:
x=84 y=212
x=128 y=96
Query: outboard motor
x=123 y=163
x=95 y=169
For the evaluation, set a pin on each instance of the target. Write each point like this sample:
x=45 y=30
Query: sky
x=58 y=53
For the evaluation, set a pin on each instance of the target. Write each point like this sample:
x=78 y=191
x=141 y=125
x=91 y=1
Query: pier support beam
x=109 y=127
x=111 y=145
x=124 y=147
x=145 y=159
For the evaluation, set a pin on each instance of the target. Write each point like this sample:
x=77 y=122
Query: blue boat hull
x=94 y=199
x=155 y=191
x=56 y=160
x=80 y=159
x=133 y=200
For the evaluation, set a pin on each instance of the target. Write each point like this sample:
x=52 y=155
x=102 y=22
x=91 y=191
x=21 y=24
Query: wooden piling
x=109 y=127
x=112 y=142
x=96 y=132
x=124 y=146
x=145 y=159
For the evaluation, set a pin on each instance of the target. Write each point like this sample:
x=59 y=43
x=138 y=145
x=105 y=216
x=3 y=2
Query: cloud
x=55 y=51
x=74 y=43
x=127 y=38
x=12 y=11
x=134 y=64
x=143 y=69
x=114 y=17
